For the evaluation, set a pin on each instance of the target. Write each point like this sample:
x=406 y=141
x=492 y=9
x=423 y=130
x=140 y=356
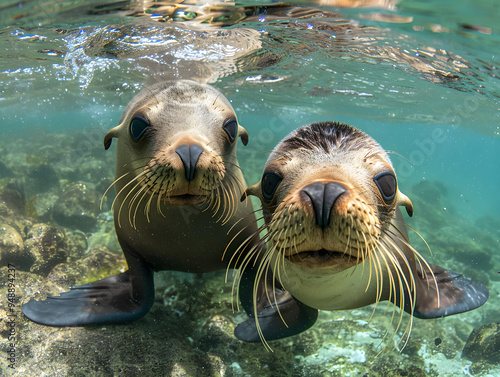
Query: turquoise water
x=420 y=77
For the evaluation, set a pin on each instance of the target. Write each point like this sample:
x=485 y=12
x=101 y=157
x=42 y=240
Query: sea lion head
x=328 y=193
x=177 y=144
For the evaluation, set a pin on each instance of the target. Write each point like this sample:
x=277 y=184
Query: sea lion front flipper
x=121 y=298
x=456 y=294
x=293 y=317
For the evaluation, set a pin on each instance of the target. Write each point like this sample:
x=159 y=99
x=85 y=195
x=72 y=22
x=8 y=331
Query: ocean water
x=420 y=77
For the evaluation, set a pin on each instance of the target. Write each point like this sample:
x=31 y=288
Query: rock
x=12 y=202
x=77 y=244
x=77 y=207
x=5 y=171
x=41 y=178
x=98 y=264
x=217 y=331
x=12 y=248
x=47 y=245
x=483 y=344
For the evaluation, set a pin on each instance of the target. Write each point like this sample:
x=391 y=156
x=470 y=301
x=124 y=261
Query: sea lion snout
x=189 y=156
x=322 y=196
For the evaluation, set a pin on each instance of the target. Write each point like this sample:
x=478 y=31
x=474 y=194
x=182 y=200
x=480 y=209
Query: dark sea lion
x=336 y=238
x=177 y=207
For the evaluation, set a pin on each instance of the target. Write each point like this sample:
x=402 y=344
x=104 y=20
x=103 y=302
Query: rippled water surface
x=420 y=77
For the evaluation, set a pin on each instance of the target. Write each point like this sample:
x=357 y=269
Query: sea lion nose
x=323 y=196
x=189 y=156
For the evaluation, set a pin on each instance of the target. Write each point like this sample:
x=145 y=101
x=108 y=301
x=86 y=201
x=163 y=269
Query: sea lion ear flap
x=403 y=200
x=243 y=134
x=110 y=135
x=252 y=190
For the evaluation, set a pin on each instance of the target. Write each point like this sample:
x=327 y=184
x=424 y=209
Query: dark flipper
x=456 y=294
x=297 y=316
x=117 y=299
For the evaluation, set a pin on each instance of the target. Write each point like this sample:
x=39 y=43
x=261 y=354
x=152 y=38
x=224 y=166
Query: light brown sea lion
x=177 y=207
x=336 y=238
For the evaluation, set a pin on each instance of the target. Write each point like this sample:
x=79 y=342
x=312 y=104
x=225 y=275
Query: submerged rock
x=5 y=171
x=98 y=264
x=77 y=207
x=12 y=202
x=12 y=248
x=42 y=178
x=483 y=345
x=47 y=246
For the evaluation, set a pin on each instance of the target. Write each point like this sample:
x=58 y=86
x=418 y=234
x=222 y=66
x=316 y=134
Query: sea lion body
x=187 y=115
x=178 y=184
x=336 y=238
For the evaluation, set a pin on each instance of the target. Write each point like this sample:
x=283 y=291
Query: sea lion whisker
x=133 y=180
x=218 y=202
x=143 y=188
x=281 y=256
x=111 y=185
x=389 y=242
x=276 y=263
x=235 y=165
x=147 y=208
x=161 y=193
x=374 y=263
x=237 y=184
x=419 y=257
x=152 y=191
x=233 y=198
x=237 y=274
x=224 y=199
x=379 y=278
x=410 y=289
x=244 y=243
x=412 y=297
x=268 y=257
x=138 y=205
x=243 y=218
x=254 y=251
x=126 y=197
x=370 y=265
x=399 y=274
x=420 y=236
x=261 y=267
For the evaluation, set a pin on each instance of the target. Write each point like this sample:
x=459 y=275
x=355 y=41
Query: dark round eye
x=138 y=125
x=386 y=183
x=231 y=128
x=269 y=184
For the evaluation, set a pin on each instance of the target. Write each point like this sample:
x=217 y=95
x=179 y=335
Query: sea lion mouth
x=323 y=257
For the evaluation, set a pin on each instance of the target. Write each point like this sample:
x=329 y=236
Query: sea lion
x=336 y=238
x=178 y=184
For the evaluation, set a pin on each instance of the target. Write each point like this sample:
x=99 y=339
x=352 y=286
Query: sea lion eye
x=386 y=183
x=138 y=125
x=269 y=184
x=231 y=128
